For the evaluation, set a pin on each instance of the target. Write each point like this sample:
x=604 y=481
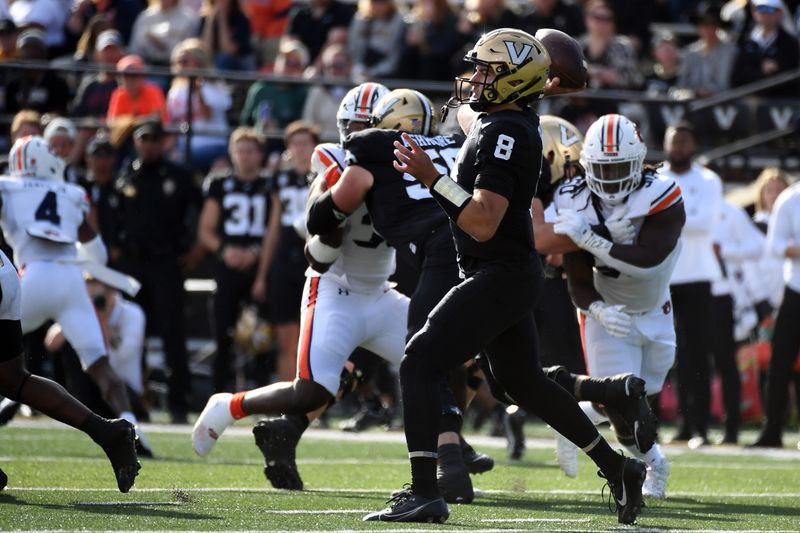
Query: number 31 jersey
x=244 y=207
x=40 y=219
x=402 y=209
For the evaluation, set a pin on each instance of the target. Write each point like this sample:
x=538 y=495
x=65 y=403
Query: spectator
x=26 y=122
x=783 y=241
x=121 y=13
x=767 y=50
x=239 y=207
x=269 y=20
x=376 y=39
x=8 y=40
x=611 y=58
x=45 y=14
x=312 y=22
x=707 y=63
x=664 y=74
x=93 y=96
x=210 y=103
x=101 y=161
x=41 y=90
x=431 y=41
x=158 y=203
x=159 y=28
x=225 y=31
x=697 y=268
x=562 y=15
x=136 y=97
x=323 y=100
x=87 y=44
x=769 y=185
x=269 y=105
x=483 y=16
x=61 y=135
x=287 y=272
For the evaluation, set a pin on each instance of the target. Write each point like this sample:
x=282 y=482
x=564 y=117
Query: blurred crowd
x=122 y=132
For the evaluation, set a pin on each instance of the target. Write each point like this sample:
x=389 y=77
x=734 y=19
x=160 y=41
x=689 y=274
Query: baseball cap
x=108 y=38
x=31 y=37
x=130 y=62
x=100 y=145
x=776 y=4
x=60 y=126
x=148 y=126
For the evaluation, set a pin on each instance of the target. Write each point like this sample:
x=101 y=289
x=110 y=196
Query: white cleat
x=212 y=422
x=655 y=485
x=566 y=455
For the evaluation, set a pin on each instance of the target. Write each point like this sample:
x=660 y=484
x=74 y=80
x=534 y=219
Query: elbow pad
x=93 y=251
x=323 y=215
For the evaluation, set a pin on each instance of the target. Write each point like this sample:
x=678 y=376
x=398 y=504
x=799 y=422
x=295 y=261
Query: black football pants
x=233 y=289
x=557 y=323
x=490 y=312
x=723 y=346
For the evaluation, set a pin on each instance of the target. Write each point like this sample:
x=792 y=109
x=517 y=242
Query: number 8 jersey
x=40 y=218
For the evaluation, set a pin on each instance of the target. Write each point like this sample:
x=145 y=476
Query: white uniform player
x=40 y=219
x=10 y=298
x=351 y=305
x=627 y=318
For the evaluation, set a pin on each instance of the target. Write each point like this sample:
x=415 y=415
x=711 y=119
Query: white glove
x=612 y=317
x=572 y=224
x=620 y=228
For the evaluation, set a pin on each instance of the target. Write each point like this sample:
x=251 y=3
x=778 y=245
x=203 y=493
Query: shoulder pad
x=656 y=193
x=371 y=146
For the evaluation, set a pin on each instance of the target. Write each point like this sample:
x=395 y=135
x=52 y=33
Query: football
x=566 y=58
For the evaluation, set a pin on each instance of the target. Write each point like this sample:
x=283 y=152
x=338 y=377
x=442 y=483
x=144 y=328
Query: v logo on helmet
x=517 y=57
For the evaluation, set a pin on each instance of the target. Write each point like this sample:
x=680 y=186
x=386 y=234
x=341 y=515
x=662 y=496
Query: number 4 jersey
x=403 y=211
x=40 y=218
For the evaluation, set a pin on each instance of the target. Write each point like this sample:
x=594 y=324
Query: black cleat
x=476 y=462
x=120 y=447
x=371 y=416
x=3 y=479
x=626 y=489
x=405 y=506
x=627 y=395
x=277 y=439
x=515 y=432
x=452 y=475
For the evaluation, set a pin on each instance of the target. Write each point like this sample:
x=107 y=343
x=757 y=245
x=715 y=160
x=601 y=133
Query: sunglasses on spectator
x=766 y=9
x=602 y=17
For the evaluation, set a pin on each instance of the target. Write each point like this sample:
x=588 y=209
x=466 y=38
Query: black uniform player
x=235 y=214
x=287 y=276
x=491 y=310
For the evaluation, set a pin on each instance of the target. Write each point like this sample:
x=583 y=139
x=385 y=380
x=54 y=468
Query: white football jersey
x=40 y=219
x=656 y=193
x=366 y=261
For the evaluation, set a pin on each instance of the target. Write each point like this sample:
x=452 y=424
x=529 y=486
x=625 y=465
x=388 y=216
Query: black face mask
x=100 y=302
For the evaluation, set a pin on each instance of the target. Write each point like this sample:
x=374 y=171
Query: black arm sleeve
x=323 y=215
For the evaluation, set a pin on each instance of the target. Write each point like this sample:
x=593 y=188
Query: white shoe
x=655 y=485
x=566 y=455
x=212 y=422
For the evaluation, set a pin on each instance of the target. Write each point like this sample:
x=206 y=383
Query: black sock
x=561 y=376
x=450 y=454
x=465 y=446
x=96 y=427
x=423 y=476
x=609 y=461
x=450 y=423
x=590 y=389
x=300 y=421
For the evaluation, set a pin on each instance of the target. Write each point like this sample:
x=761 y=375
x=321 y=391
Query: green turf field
x=58 y=480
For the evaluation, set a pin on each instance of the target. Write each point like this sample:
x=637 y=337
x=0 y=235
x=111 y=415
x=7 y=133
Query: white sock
x=592 y=413
x=130 y=417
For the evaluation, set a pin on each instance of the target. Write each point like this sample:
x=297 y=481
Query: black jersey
x=402 y=209
x=502 y=154
x=244 y=207
x=292 y=189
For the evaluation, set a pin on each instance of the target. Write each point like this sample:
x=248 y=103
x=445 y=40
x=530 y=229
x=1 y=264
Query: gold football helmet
x=405 y=110
x=519 y=62
x=562 y=143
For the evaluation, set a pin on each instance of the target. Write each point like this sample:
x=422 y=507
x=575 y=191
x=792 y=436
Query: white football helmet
x=356 y=106
x=613 y=157
x=31 y=157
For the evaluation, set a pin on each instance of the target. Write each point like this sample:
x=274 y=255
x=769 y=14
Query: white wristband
x=451 y=191
x=93 y=251
x=321 y=251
